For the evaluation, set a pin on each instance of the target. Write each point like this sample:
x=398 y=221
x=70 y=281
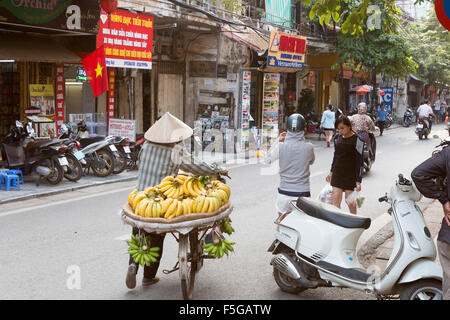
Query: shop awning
x=416 y=78
x=25 y=48
x=247 y=36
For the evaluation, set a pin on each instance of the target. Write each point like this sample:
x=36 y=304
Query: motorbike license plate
x=126 y=149
x=79 y=155
x=420 y=126
x=112 y=147
x=63 y=161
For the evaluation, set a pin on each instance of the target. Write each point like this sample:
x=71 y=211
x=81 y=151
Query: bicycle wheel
x=188 y=257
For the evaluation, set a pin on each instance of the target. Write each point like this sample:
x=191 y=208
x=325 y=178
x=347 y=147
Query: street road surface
x=45 y=241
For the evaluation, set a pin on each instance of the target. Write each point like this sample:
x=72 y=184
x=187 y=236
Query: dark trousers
x=156 y=240
x=381 y=126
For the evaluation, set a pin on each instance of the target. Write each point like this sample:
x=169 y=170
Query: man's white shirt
x=424 y=111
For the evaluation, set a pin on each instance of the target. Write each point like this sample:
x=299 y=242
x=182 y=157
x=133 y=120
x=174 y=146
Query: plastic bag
x=326 y=195
x=355 y=199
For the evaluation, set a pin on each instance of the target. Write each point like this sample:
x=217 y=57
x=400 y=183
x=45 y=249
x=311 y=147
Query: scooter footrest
x=353 y=274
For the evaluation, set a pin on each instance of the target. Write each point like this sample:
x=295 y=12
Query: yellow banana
x=165 y=187
x=154 y=209
x=200 y=202
x=171 y=192
x=139 y=196
x=172 y=208
x=182 y=177
x=149 y=189
x=205 y=206
x=190 y=188
x=140 y=208
x=200 y=187
x=131 y=196
x=148 y=210
x=165 y=205
x=179 y=209
x=185 y=203
x=223 y=195
x=225 y=188
x=168 y=178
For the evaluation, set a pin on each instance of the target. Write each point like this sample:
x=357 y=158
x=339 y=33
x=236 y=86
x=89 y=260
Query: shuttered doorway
x=170 y=93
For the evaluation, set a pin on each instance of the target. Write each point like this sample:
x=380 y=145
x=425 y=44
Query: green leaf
x=336 y=17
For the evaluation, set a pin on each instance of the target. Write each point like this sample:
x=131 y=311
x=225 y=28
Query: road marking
x=7 y=213
x=125 y=237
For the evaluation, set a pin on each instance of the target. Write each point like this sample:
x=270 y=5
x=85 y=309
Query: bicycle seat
x=332 y=214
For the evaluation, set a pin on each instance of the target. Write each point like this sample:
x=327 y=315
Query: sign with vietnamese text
x=122 y=128
x=128 y=39
x=286 y=51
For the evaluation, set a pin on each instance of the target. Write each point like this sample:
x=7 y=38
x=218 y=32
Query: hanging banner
x=128 y=39
x=60 y=88
x=245 y=121
x=111 y=91
x=271 y=99
x=387 y=99
x=286 y=52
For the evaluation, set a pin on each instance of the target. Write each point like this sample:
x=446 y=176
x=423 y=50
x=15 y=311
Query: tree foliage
x=430 y=43
x=353 y=15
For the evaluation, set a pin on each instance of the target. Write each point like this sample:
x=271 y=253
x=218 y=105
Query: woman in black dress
x=347 y=168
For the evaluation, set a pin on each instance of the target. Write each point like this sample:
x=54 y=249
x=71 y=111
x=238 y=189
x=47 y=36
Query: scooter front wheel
x=286 y=284
x=427 y=289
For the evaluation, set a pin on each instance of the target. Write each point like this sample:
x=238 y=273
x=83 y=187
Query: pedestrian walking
x=163 y=155
x=382 y=117
x=347 y=167
x=443 y=111
x=423 y=177
x=437 y=110
x=327 y=124
x=295 y=158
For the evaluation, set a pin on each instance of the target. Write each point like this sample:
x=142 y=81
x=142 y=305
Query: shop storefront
x=37 y=45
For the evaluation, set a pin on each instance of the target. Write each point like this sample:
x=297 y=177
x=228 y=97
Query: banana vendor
x=163 y=155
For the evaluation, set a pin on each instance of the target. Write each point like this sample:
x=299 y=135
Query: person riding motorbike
x=296 y=156
x=424 y=112
x=163 y=154
x=362 y=124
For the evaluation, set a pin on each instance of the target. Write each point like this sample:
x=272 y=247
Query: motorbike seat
x=41 y=144
x=327 y=212
x=87 y=141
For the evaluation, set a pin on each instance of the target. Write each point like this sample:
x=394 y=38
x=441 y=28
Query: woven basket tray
x=129 y=212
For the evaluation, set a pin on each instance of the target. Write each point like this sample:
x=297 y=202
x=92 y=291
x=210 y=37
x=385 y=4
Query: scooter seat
x=87 y=141
x=323 y=211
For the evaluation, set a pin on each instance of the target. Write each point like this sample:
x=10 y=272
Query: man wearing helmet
x=295 y=157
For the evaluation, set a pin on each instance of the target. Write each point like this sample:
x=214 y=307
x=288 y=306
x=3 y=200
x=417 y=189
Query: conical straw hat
x=168 y=129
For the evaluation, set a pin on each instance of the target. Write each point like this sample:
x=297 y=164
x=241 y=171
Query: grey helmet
x=296 y=123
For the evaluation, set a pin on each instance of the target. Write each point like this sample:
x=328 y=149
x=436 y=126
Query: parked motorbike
x=123 y=153
x=409 y=117
x=422 y=129
x=316 y=242
x=75 y=157
x=388 y=122
x=312 y=124
x=46 y=159
x=369 y=158
x=135 y=148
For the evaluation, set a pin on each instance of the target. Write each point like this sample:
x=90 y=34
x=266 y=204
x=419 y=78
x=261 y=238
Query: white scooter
x=315 y=246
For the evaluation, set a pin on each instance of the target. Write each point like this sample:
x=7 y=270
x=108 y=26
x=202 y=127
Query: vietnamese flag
x=95 y=67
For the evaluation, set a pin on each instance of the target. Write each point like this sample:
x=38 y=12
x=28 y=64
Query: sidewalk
x=378 y=249
x=29 y=189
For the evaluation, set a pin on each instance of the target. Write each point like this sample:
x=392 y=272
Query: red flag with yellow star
x=95 y=67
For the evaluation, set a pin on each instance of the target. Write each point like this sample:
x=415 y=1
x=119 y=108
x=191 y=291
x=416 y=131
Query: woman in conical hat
x=162 y=155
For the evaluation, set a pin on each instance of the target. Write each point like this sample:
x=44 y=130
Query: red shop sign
x=128 y=39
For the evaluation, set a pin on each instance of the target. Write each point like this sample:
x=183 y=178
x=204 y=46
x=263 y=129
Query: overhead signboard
x=127 y=38
x=286 y=52
x=65 y=15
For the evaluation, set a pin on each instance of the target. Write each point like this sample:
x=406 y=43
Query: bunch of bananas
x=139 y=248
x=194 y=187
x=179 y=195
x=172 y=187
x=226 y=227
x=219 y=248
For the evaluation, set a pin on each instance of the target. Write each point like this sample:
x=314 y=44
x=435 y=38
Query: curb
x=67 y=189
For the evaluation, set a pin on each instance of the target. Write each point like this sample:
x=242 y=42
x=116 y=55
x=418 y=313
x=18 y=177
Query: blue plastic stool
x=16 y=172
x=9 y=181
